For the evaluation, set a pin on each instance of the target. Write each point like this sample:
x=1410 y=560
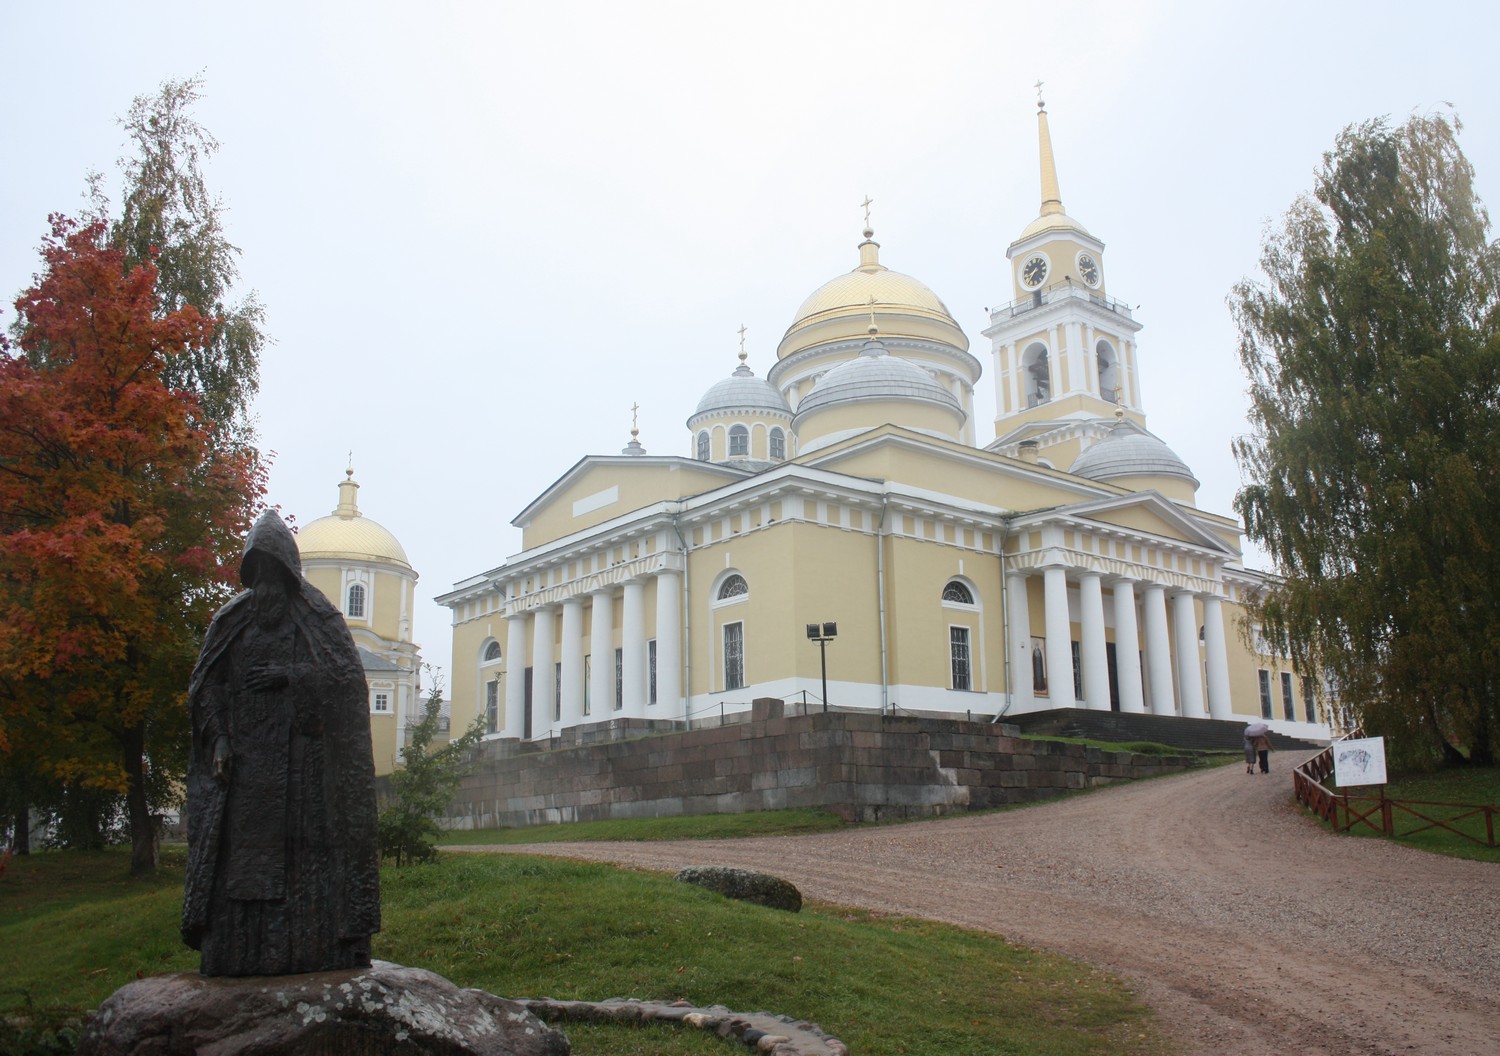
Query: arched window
x=1038 y=375
x=1109 y=372
x=492 y=652
x=739 y=441
x=733 y=587
x=778 y=444
x=356 y=607
x=956 y=591
x=703 y=446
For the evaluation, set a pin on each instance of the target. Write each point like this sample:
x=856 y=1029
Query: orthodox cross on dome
x=1041 y=104
x=874 y=329
x=869 y=231
x=743 y=353
x=634 y=420
x=349 y=472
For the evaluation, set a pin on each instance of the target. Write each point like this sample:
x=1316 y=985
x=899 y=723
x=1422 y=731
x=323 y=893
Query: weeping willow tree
x=1372 y=347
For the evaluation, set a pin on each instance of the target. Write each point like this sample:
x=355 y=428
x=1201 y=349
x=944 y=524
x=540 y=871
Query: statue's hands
x=222 y=760
x=266 y=676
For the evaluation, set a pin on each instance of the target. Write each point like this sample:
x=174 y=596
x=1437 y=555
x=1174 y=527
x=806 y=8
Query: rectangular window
x=492 y=706
x=619 y=679
x=1309 y=699
x=1265 y=694
x=958 y=657
x=1077 y=673
x=588 y=684
x=651 y=671
x=1288 y=705
x=734 y=656
x=381 y=703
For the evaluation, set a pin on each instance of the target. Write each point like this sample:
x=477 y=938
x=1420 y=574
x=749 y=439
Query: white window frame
x=960 y=637
x=733 y=663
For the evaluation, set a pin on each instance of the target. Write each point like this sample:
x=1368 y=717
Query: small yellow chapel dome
x=347 y=533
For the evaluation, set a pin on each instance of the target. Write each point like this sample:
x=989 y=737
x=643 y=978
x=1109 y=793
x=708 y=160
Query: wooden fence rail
x=1344 y=811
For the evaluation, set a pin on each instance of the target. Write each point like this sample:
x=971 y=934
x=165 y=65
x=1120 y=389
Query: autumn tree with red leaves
x=120 y=526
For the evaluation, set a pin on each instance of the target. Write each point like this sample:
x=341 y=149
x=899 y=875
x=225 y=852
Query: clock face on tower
x=1033 y=271
x=1088 y=269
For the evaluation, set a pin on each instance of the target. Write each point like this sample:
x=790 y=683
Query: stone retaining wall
x=863 y=766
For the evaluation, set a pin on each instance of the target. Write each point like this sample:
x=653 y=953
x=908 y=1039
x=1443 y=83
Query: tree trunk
x=21 y=843
x=143 y=835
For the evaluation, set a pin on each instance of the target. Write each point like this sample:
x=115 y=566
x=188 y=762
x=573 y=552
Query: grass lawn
x=1468 y=785
x=73 y=929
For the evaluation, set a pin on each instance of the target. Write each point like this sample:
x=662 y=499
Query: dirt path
x=1247 y=928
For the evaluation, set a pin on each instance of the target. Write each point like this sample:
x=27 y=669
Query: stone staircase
x=1202 y=734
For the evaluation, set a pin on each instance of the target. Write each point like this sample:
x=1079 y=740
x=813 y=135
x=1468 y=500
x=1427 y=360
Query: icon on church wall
x=1039 y=665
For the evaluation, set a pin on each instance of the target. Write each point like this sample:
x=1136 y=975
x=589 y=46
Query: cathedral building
x=1063 y=564
x=363 y=570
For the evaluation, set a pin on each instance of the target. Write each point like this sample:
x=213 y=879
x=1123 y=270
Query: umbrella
x=1255 y=729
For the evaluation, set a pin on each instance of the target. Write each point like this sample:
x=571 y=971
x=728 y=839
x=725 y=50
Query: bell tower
x=1064 y=352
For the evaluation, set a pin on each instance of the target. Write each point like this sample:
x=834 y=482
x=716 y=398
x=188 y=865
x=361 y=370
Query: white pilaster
x=633 y=640
x=1092 y=653
x=572 y=663
x=543 y=674
x=668 y=643
x=1185 y=635
x=1128 y=649
x=514 y=721
x=1219 y=705
x=1158 y=651
x=602 y=650
x=1019 y=616
x=1059 y=638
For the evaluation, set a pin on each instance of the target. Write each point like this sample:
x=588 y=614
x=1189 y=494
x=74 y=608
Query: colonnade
x=560 y=682
x=1172 y=682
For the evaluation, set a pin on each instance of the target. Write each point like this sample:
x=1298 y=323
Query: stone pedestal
x=383 y=1009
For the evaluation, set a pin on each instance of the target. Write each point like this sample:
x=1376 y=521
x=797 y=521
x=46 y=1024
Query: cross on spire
x=1041 y=104
x=634 y=419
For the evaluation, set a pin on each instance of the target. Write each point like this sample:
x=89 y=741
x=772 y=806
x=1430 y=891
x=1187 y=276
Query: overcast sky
x=482 y=231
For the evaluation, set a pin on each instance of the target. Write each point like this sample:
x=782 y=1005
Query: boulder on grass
x=746 y=885
x=375 y=1011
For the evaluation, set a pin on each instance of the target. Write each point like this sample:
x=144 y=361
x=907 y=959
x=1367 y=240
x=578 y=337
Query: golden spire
x=1051 y=196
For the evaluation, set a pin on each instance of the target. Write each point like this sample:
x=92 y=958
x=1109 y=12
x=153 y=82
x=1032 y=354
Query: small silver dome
x=875 y=374
x=1127 y=450
x=742 y=391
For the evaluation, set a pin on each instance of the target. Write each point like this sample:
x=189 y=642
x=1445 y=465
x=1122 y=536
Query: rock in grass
x=745 y=885
x=383 y=1009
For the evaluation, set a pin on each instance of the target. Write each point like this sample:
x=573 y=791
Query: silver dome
x=875 y=374
x=1129 y=451
x=742 y=391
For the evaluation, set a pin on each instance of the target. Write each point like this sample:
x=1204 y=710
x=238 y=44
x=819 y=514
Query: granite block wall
x=866 y=767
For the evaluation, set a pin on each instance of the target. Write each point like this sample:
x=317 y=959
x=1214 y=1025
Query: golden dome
x=841 y=307
x=347 y=533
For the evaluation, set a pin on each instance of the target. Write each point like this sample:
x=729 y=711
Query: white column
x=668 y=643
x=1059 y=638
x=1021 y=696
x=633 y=639
x=1185 y=633
x=1219 y=705
x=572 y=663
x=542 y=674
x=602 y=650
x=1128 y=649
x=1012 y=355
x=514 y=720
x=1158 y=652
x=1092 y=654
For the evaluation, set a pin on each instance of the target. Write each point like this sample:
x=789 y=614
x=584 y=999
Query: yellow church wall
x=1246 y=661
x=1141 y=519
x=846 y=417
x=384 y=743
x=917 y=570
x=603 y=492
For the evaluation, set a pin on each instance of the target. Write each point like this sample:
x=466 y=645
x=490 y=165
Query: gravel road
x=1244 y=925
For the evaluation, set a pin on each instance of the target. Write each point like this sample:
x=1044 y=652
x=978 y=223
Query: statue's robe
x=282 y=866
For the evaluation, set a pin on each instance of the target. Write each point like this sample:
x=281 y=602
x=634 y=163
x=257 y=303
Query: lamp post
x=823 y=633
